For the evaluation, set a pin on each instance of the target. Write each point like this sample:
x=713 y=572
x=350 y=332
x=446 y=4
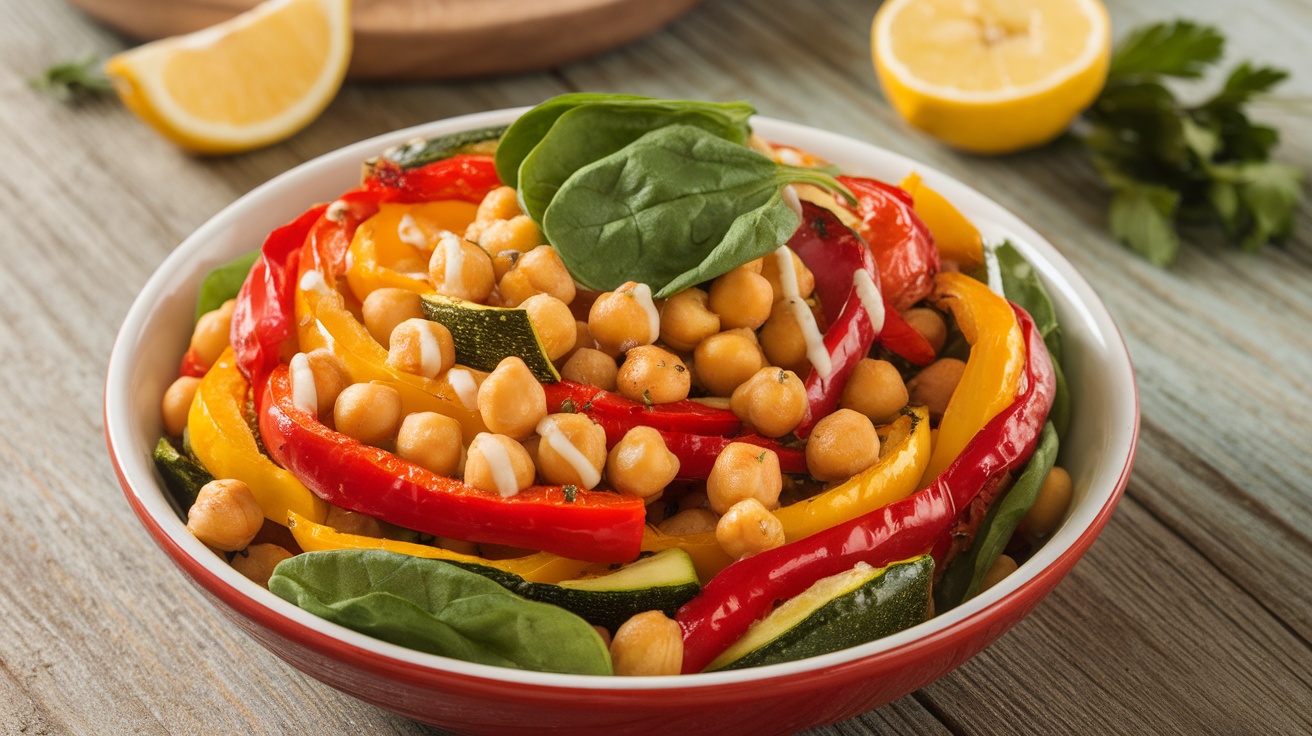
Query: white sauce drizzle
x=336 y=212
x=642 y=295
x=462 y=381
x=498 y=461
x=430 y=353
x=870 y=298
x=305 y=394
x=789 y=157
x=312 y=280
x=792 y=200
x=589 y=477
x=994 y=270
x=816 y=352
x=454 y=275
x=409 y=233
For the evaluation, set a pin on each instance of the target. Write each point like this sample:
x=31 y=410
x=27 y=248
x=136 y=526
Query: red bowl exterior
x=475 y=705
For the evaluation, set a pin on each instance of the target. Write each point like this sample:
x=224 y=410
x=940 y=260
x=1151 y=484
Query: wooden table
x=1192 y=613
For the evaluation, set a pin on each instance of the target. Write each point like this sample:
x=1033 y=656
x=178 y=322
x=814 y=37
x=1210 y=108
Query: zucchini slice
x=421 y=151
x=183 y=476
x=837 y=612
x=663 y=582
x=484 y=336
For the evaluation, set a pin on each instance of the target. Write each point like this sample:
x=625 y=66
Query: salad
x=621 y=388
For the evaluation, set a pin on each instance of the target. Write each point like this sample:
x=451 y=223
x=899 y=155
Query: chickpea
x=726 y=360
x=875 y=389
x=640 y=464
x=430 y=440
x=741 y=298
x=553 y=322
x=517 y=233
x=177 y=404
x=604 y=634
x=841 y=445
x=210 y=337
x=566 y=435
x=744 y=471
x=689 y=521
x=353 y=522
x=329 y=376
x=1050 y=506
x=257 y=561
x=422 y=347
x=494 y=460
x=623 y=319
x=653 y=375
x=384 y=309
x=511 y=400
x=538 y=271
x=461 y=269
x=771 y=271
x=755 y=265
x=748 y=528
x=782 y=339
x=501 y=203
x=225 y=515
x=1001 y=568
x=649 y=643
x=693 y=500
x=503 y=262
x=934 y=385
x=592 y=367
x=369 y=412
x=930 y=324
x=686 y=320
x=772 y=401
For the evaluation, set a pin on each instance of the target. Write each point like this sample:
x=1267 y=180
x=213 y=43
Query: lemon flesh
x=991 y=76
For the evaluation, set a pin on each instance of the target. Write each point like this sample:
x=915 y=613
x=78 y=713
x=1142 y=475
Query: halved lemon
x=241 y=84
x=991 y=76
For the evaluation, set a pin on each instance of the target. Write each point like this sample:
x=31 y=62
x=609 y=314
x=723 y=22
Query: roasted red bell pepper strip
x=748 y=589
x=836 y=255
x=902 y=339
x=192 y=365
x=902 y=244
x=466 y=176
x=593 y=526
x=676 y=416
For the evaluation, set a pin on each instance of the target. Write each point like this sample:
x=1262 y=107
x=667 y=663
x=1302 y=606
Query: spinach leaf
x=433 y=606
x=676 y=207
x=591 y=132
x=223 y=282
x=532 y=127
x=962 y=579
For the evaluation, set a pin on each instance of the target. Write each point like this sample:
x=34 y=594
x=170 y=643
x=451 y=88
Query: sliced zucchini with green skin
x=837 y=612
x=484 y=336
x=663 y=582
x=183 y=476
x=421 y=151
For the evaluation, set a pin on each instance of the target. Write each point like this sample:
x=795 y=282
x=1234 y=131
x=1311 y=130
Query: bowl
x=472 y=698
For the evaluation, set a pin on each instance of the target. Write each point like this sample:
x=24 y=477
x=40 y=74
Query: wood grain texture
x=1192 y=614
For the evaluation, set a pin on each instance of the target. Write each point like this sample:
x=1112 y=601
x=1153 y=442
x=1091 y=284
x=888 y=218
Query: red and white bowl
x=474 y=698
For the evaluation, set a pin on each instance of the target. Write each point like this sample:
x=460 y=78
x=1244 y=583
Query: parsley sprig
x=1168 y=163
x=69 y=81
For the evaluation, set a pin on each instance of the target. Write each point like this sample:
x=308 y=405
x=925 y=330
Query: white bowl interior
x=154 y=335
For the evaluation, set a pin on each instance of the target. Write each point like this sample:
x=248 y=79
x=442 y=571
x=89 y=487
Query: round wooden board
x=433 y=39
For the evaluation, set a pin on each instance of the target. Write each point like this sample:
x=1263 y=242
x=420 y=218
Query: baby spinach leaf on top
x=591 y=132
x=673 y=208
x=223 y=282
x=433 y=606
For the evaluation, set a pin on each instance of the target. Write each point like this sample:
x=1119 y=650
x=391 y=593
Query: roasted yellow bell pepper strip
x=225 y=445
x=894 y=477
x=957 y=239
x=992 y=375
x=385 y=248
x=540 y=567
x=323 y=320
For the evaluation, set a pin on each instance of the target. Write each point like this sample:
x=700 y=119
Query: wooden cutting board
x=433 y=39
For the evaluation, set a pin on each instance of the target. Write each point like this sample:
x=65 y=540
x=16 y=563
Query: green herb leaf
x=673 y=208
x=1021 y=284
x=964 y=576
x=223 y=282
x=1270 y=192
x=1180 y=49
x=1142 y=216
x=596 y=130
x=436 y=607
x=73 y=80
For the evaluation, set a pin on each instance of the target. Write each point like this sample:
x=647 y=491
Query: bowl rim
x=254 y=602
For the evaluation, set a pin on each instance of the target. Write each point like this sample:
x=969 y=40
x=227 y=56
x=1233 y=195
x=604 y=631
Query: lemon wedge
x=991 y=76
x=244 y=83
